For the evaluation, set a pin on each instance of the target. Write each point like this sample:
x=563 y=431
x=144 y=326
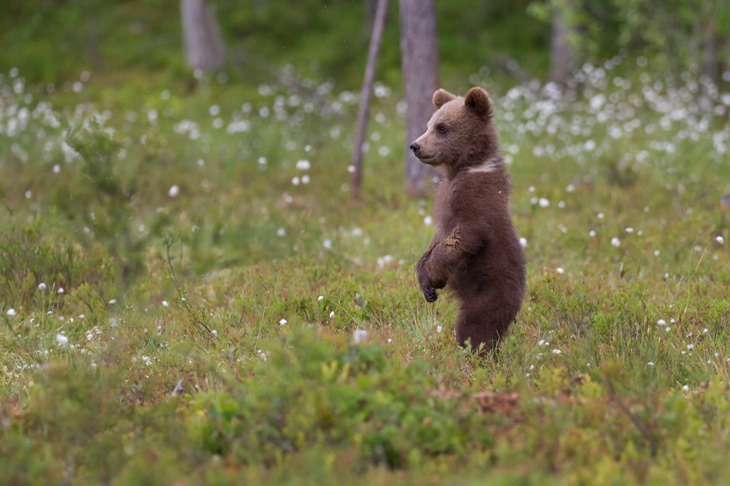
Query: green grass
x=193 y=247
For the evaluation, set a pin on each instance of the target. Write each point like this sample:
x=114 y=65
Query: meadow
x=189 y=296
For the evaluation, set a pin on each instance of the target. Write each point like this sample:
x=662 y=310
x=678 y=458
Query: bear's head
x=460 y=132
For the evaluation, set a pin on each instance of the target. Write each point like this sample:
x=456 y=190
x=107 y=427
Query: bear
x=475 y=249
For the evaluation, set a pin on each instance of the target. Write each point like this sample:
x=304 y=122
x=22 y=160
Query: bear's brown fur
x=475 y=249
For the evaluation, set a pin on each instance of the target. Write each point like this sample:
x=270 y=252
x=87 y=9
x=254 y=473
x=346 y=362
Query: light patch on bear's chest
x=489 y=165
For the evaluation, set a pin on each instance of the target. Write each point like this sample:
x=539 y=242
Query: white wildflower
x=360 y=336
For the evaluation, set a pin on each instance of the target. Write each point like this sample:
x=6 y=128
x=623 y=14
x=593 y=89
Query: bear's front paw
x=429 y=293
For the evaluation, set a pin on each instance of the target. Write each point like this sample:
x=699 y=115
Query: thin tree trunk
x=419 y=54
x=367 y=89
x=561 y=52
x=711 y=68
x=204 y=48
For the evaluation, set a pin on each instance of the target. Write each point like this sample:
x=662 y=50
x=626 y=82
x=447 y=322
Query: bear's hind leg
x=481 y=325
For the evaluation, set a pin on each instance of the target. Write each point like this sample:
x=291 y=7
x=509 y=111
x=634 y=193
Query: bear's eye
x=441 y=128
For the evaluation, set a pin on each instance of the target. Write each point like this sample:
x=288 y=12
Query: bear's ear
x=478 y=100
x=440 y=97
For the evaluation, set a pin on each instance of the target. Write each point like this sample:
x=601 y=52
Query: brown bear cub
x=475 y=249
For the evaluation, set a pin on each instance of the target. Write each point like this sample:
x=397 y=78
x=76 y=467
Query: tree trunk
x=419 y=54
x=367 y=88
x=204 y=47
x=711 y=67
x=561 y=52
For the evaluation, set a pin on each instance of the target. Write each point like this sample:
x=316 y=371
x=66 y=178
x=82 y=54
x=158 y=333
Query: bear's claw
x=430 y=294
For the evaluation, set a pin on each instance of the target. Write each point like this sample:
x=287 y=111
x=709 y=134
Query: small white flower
x=327 y=244
x=305 y=179
x=42 y=286
x=165 y=303
x=283 y=322
x=61 y=290
x=11 y=312
x=174 y=191
x=544 y=202
x=390 y=340
x=690 y=346
x=650 y=363
x=61 y=340
x=667 y=329
x=685 y=388
x=439 y=329
x=147 y=361
x=304 y=165
x=320 y=298
x=523 y=242
x=560 y=270
x=592 y=233
x=295 y=181
x=661 y=322
x=360 y=336
x=600 y=215
x=615 y=242
x=556 y=351
x=214 y=332
x=629 y=230
x=657 y=253
x=112 y=301
x=705 y=331
x=428 y=220
x=720 y=240
x=281 y=232
x=332 y=315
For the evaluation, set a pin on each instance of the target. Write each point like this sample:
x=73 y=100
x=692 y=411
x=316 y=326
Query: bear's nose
x=415 y=147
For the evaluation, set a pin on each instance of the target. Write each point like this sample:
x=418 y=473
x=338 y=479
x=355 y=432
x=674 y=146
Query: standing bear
x=475 y=249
